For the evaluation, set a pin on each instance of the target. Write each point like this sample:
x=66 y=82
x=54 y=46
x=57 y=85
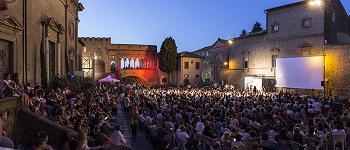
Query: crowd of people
x=192 y=118
x=231 y=119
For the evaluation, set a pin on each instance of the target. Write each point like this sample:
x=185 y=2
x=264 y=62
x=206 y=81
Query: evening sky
x=193 y=24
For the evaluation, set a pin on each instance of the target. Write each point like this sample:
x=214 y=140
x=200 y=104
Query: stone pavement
x=141 y=143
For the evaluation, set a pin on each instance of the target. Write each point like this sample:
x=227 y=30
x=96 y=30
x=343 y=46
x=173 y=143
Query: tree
x=243 y=33
x=167 y=56
x=256 y=27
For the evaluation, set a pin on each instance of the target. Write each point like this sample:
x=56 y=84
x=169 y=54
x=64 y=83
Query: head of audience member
x=217 y=146
x=265 y=136
x=41 y=138
x=3 y=5
x=118 y=127
x=339 y=126
x=15 y=78
x=7 y=75
x=238 y=137
x=255 y=145
x=196 y=142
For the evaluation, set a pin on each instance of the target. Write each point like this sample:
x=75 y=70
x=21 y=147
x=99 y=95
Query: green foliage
x=76 y=84
x=43 y=66
x=58 y=82
x=167 y=56
x=256 y=27
x=243 y=33
x=186 y=82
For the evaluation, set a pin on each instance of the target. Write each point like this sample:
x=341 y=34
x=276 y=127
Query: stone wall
x=20 y=123
x=8 y=110
x=29 y=122
x=290 y=20
x=338 y=70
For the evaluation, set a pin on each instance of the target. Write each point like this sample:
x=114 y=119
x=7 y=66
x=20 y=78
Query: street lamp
x=315 y=2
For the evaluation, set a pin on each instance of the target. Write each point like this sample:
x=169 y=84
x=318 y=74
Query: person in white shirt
x=117 y=137
x=234 y=121
x=200 y=125
x=338 y=131
x=118 y=141
x=6 y=88
x=182 y=135
x=254 y=124
x=237 y=142
x=148 y=120
x=317 y=106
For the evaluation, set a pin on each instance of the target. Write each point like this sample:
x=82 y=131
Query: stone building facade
x=129 y=61
x=30 y=26
x=293 y=30
x=188 y=66
x=214 y=60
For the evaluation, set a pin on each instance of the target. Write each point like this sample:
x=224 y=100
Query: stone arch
x=99 y=65
x=218 y=58
x=305 y=49
x=274 y=50
x=132 y=79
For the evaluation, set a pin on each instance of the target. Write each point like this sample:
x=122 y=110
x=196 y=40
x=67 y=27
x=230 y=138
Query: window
x=305 y=53
x=333 y=17
x=245 y=62
x=197 y=65
x=186 y=65
x=275 y=27
x=197 y=75
x=164 y=80
x=307 y=23
x=274 y=60
x=207 y=53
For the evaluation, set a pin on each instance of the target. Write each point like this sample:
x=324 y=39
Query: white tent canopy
x=109 y=79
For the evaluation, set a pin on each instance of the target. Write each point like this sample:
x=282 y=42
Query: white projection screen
x=300 y=72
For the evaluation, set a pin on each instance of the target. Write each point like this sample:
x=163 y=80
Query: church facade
x=37 y=32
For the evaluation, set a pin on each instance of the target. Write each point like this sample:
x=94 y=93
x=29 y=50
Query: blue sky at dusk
x=193 y=24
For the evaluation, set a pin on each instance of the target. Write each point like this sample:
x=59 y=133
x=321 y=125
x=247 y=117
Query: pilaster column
x=134 y=63
x=58 y=56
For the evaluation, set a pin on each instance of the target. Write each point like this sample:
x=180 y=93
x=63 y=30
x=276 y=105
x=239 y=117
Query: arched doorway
x=99 y=65
x=134 y=80
x=219 y=62
x=113 y=66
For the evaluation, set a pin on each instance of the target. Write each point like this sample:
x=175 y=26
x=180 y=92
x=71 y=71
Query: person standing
x=134 y=124
x=127 y=106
